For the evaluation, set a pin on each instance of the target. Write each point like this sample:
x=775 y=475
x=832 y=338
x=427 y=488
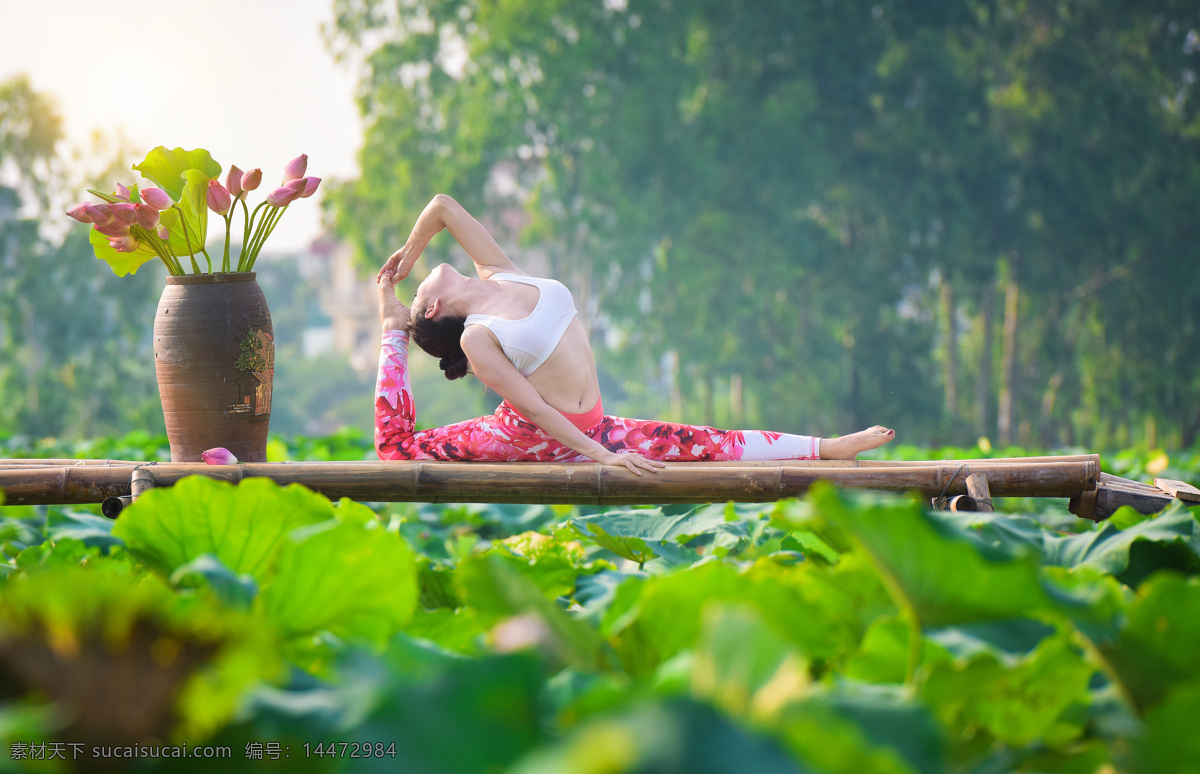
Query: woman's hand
x=393 y=315
x=631 y=460
x=399 y=264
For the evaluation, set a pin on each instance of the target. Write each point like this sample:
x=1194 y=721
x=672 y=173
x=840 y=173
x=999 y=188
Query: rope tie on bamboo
x=954 y=475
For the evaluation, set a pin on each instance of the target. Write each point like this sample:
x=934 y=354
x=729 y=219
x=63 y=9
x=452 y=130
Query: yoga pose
x=520 y=335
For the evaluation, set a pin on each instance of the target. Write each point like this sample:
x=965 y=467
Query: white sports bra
x=529 y=341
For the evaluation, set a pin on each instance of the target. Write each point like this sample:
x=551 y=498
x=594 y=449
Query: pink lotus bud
x=124 y=212
x=219 y=456
x=163 y=232
x=147 y=216
x=122 y=193
x=101 y=214
x=233 y=181
x=310 y=186
x=219 y=200
x=124 y=244
x=283 y=196
x=298 y=185
x=80 y=212
x=114 y=228
x=295 y=168
x=251 y=179
x=157 y=198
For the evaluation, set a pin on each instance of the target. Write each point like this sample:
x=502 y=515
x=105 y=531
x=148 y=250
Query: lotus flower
x=219 y=456
x=295 y=168
x=122 y=193
x=233 y=181
x=80 y=212
x=113 y=228
x=124 y=244
x=310 y=186
x=219 y=200
x=124 y=212
x=163 y=232
x=157 y=198
x=251 y=179
x=147 y=216
x=101 y=214
x=283 y=196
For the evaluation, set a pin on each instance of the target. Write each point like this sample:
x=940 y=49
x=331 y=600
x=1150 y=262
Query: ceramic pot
x=214 y=355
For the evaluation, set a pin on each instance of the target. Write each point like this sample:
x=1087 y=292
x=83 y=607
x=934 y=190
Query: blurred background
x=965 y=220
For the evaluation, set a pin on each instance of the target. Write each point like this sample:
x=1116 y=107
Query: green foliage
x=835 y=633
x=168 y=168
x=859 y=212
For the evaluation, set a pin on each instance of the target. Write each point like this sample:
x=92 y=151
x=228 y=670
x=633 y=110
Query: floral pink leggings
x=507 y=437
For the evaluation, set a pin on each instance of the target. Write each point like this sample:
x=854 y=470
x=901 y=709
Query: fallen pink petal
x=219 y=456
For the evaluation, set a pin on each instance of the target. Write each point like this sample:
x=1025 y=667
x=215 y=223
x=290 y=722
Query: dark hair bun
x=454 y=366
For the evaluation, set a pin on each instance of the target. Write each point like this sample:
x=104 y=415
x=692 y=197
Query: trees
x=854 y=210
x=75 y=354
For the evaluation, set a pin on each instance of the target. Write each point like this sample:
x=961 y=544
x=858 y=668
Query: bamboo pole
x=37 y=462
x=561 y=482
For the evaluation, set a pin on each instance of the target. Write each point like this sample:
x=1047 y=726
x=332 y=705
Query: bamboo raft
x=953 y=484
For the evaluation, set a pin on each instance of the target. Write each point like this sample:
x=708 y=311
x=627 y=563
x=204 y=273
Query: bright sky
x=249 y=80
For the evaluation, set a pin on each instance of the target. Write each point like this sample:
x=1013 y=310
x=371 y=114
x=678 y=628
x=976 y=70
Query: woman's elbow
x=445 y=202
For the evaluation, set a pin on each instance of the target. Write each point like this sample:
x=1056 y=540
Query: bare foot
x=393 y=315
x=848 y=447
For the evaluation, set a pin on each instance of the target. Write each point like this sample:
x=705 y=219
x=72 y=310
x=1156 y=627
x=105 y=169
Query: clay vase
x=214 y=354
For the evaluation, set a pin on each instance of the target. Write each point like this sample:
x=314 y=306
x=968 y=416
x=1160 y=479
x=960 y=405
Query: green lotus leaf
x=653 y=525
x=92 y=531
x=1020 y=702
x=673 y=736
x=166 y=168
x=346 y=576
x=854 y=729
x=744 y=667
x=454 y=715
x=632 y=548
x=243 y=527
x=883 y=655
x=206 y=571
x=1155 y=650
x=494 y=587
x=120 y=263
x=945 y=577
x=194 y=204
x=1170 y=540
x=1170 y=742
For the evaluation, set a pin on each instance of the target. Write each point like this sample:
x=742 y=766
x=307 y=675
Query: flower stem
x=149 y=238
x=228 y=227
x=187 y=239
x=246 y=221
x=248 y=242
x=269 y=225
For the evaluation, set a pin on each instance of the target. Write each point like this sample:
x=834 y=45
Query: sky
x=249 y=80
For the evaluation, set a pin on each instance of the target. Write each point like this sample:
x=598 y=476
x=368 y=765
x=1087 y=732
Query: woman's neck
x=474 y=295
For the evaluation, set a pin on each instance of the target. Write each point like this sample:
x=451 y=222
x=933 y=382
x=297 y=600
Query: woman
x=520 y=335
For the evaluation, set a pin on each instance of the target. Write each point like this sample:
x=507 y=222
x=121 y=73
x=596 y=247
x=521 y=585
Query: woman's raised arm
x=445 y=213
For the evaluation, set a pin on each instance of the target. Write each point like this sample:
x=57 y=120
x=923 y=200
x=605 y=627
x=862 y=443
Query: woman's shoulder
x=506 y=274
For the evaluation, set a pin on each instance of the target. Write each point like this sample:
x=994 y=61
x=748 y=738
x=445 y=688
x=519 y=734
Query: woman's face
x=439 y=284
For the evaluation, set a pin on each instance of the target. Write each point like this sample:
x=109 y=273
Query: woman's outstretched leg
x=674 y=442
x=848 y=447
